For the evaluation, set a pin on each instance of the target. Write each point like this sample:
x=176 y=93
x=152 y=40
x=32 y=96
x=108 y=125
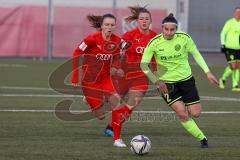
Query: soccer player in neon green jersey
x=174 y=78
x=230 y=41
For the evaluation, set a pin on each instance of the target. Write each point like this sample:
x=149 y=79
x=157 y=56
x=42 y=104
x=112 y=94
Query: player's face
x=169 y=30
x=144 y=21
x=108 y=26
x=237 y=14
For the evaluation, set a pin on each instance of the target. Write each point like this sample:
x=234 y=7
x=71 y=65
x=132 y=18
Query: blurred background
x=37 y=37
x=53 y=28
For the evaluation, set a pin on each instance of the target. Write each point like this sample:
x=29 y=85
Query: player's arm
x=118 y=61
x=146 y=59
x=223 y=36
x=154 y=65
x=75 y=61
x=75 y=66
x=201 y=62
x=223 y=33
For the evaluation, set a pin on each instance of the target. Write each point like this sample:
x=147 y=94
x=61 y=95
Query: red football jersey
x=138 y=42
x=98 y=56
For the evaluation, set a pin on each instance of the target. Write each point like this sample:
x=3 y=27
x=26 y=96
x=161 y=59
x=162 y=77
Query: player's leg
x=188 y=123
x=137 y=88
x=120 y=115
x=191 y=99
x=96 y=106
x=235 y=75
x=238 y=69
x=238 y=73
x=194 y=110
x=94 y=98
x=120 y=85
x=228 y=70
x=180 y=92
x=232 y=58
x=114 y=101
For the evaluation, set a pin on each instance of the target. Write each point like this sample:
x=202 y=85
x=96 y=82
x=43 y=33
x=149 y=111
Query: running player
x=98 y=51
x=230 y=41
x=135 y=83
x=177 y=84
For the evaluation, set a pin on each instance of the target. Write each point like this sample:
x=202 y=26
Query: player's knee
x=195 y=114
x=132 y=105
x=133 y=102
x=101 y=117
x=183 y=116
x=195 y=110
x=233 y=67
x=115 y=101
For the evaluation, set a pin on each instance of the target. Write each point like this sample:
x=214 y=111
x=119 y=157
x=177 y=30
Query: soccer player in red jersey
x=134 y=83
x=97 y=51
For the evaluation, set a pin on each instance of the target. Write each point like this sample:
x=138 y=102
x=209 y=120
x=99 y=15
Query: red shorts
x=123 y=85
x=96 y=93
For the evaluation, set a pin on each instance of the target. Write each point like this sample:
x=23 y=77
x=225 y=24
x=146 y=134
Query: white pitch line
x=39 y=95
x=29 y=88
x=207 y=98
x=79 y=111
x=24 y=88
x=13 y=65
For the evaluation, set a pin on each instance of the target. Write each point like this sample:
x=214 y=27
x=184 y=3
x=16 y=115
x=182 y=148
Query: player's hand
x=120 y=72
x=212 y=78
x=75 y=84
x=113 y=71
x=162 y=87
x=125 y=45
x=223 y=48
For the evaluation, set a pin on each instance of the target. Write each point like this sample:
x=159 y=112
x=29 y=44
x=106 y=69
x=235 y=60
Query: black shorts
x=185 y=91
x=232 y=55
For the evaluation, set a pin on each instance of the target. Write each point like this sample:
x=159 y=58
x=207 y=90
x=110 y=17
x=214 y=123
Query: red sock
x=118 y=118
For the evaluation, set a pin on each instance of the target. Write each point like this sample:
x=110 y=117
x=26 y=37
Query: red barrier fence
x=24 y=29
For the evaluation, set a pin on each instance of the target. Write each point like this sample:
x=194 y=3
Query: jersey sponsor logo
x=137 y=39
x=140 y=50
x=110 y=46
x=163 y=58
x=99 y=46
x=176 y=56
x=83 y=46
x=177 y=47
x=103 y=57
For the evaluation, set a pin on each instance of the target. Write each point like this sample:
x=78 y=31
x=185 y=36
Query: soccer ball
x=140 y=145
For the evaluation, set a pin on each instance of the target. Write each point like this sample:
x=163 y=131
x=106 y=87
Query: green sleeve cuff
x=200 y=61
x=145 y=68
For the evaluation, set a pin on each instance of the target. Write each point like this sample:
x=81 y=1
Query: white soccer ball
x=140 y=145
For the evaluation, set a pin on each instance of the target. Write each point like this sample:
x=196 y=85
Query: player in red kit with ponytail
x=134 y=83
x=98 y=50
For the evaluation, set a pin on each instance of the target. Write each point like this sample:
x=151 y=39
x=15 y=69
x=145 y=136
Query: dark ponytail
x=135 y=11
x=96 y=21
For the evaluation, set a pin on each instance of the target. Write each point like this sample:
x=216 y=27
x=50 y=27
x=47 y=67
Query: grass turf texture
x=41 y=135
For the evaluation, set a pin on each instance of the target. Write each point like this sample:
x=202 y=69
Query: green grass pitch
x=28 y=133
